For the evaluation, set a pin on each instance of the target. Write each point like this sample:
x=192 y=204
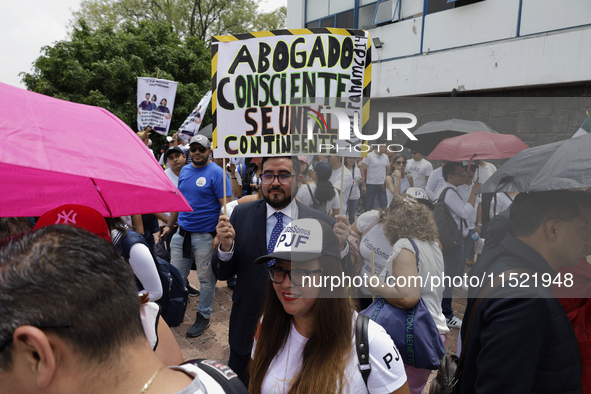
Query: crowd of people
x=73 y=320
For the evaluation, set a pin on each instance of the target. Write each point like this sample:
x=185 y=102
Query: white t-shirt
x=430 y=265
x=435 y=184
x=483 y=173
x=387 y=370
x=149 y=314
x=355 y=192
x=174 y=178
x=306 y=198
x=335 y=179
x=419 y=170
x=465 y=191
x=459 y=208
x=202 y=383
x=374 y=240
x=143 y=266
x=404 y=184
x=376 y=168
x=503 y=203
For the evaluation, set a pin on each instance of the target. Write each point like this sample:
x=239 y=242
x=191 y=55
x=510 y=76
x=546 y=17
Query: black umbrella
x=206 y=131
x=431 y=134
x=558 y=166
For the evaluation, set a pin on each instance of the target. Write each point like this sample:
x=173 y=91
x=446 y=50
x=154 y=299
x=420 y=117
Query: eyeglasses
x=296 y=276
x=400 y=163
x=460 y=173
x=40 y=326
x=201 y=149
x=282 y=178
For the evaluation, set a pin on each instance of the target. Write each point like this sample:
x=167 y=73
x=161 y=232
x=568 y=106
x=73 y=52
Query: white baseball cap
x=304 y=240
x=420 y=195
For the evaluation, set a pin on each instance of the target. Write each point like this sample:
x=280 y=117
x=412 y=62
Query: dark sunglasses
x=400 y=163
x=199 y=148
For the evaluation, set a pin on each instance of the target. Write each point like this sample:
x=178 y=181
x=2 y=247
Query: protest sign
x=192 y=124
x=155 y=99
x=273 y=91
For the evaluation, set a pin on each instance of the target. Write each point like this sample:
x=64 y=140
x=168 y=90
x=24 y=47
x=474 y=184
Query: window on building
x=337 y=6
x=439 y=5
x=346 y=20
x=365 y=16
x=327 y=22
x=442 y=5
x=384 y=11
x=316 y=9
x=341 y=13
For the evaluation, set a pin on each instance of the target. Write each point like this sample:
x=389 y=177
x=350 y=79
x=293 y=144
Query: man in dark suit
x=247 y=235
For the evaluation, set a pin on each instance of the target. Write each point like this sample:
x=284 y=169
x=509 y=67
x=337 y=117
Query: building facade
x=431 y=47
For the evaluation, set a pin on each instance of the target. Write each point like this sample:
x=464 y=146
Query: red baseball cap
x=79 y=216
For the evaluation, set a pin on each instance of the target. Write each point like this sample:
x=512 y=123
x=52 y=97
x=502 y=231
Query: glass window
x=385 y=11
x=366 y=2
x=365 y=16
x=439 y=5
x=310 y=25
x=328 y=22
x=316 y=9
x=337 y=6
x=346 y=20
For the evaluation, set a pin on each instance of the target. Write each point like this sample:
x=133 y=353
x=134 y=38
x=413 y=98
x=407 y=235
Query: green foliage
x=100 y=67
x=188 y=18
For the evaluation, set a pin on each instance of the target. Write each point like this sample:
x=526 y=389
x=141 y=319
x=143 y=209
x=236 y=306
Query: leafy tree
x=189 y=18
x=100 y=67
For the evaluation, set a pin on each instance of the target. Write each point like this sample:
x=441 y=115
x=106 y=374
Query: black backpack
x=173 y=302
x=450 y=236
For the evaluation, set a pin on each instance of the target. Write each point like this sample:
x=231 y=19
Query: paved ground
x=213 y=344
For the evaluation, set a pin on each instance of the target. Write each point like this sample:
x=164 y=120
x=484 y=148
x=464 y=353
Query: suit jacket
x=250 y=223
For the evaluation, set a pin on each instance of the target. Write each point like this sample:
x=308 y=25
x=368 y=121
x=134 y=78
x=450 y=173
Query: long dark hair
x=119 y=225
x=327 y=351
x=393 y=166
x=324 y=190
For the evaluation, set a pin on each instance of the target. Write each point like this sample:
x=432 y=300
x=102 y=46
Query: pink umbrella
x=478 y=145
x=55 y=152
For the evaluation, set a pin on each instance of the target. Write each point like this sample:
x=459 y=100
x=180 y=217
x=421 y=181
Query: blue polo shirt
x=202 y=187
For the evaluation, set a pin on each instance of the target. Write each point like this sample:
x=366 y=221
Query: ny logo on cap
x=65 y=217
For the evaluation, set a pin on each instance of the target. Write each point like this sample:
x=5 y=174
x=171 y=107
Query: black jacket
x=522 y=340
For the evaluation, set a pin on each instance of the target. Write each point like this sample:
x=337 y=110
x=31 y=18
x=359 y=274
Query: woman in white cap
x=305 y=342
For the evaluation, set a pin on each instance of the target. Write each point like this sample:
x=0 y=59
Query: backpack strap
x=131 y=239
x=362 y=346
x=351 y=189
x=442 y=198
x=414 y=246
x=311 y=194
x=370 y=227
x=222 y=374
